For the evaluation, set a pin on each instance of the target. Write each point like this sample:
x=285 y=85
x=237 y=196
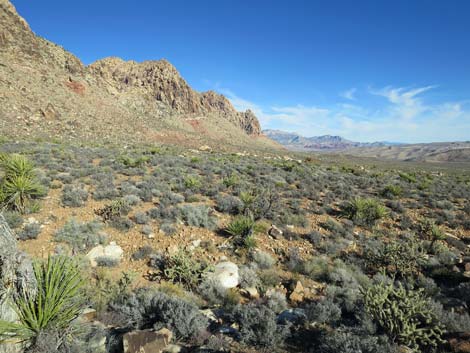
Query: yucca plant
x=364 y=211
x=19 y=184
x=54 y=305
x=241 y=226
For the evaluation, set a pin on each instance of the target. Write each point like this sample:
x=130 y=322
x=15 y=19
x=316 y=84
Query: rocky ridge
x=46 y=92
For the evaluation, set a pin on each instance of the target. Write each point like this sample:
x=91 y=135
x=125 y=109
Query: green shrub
x=402 y=258
x=364 y=211
x=181 y=268
x=19 y=184
x=113 y=211
x=405 y=315
x=392 y=191
x=55 y=305
x=241 y=226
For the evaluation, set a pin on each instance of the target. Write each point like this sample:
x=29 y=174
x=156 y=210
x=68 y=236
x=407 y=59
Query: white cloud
x=403 y=117
x=349 y=94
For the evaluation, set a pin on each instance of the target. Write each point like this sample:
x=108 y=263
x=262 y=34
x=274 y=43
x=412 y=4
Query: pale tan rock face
x=45 y=92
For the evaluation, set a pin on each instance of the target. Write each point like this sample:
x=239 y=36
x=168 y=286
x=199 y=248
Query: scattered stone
x=146 y=341
x=275 y=232
x=460 y=343
x=88 y=314
x=205 y=148
x=113 y=252
x=226 y=273
x=296 y=315
x=298 y=293
x=173 y=348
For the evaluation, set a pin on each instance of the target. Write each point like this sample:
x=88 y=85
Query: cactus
x=405 y=315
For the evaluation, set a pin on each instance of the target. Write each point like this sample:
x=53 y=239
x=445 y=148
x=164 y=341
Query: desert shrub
x=106 y=190
x=198 y=216
x=211 y=290
x=348 y=342
x=451 y=320
x=276 y=301
x=142 y=253
x=19 y=184
x=266 y=204
x=364 y=211
x=192 y=182
x=114 y=210
x=411 y=178
x=141 y=218
x=168 y=228
x=30 y=231
x=145 y=308
x=74 y=196
x=258 y=326
x=81 y=236
x=405 y=315
x=248 y=277
x=55 y=304
x=131 y=200
x=263 y=259
x=395 y=206
x=392 y=190
x=403 y=258
x=181 y=268
x=428 y=229
x=13 y=218
x=323 y=312
x=229 y=204
x=123 y=224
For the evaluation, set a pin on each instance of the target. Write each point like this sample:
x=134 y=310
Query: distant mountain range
x=454 y=152
x=296 y=142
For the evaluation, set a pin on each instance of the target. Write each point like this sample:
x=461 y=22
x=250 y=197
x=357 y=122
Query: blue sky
x=396 y=70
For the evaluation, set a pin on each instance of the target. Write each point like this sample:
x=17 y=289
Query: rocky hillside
x=47 y=92
x=296 y=142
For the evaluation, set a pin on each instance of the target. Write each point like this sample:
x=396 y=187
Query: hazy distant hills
x=297 y=142
x=424 y=152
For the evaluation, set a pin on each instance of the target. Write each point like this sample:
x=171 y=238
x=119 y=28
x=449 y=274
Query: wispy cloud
x=404 y=116
x=349 y=94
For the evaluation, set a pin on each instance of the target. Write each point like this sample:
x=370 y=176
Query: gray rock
x=275 y=232
x=146 y=341
x=16 y=273
x=112 y=252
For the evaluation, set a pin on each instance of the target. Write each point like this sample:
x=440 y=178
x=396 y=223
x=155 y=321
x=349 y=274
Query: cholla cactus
x=405 y=315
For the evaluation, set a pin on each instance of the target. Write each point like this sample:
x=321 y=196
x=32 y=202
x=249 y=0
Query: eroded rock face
x=16 y=274
x=160 y=81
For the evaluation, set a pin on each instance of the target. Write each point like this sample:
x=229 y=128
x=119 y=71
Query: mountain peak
x=112 y=96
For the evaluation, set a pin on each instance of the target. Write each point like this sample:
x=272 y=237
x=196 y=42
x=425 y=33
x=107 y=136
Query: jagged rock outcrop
x=47 y=92
x=16 y=274
x=159 y=80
